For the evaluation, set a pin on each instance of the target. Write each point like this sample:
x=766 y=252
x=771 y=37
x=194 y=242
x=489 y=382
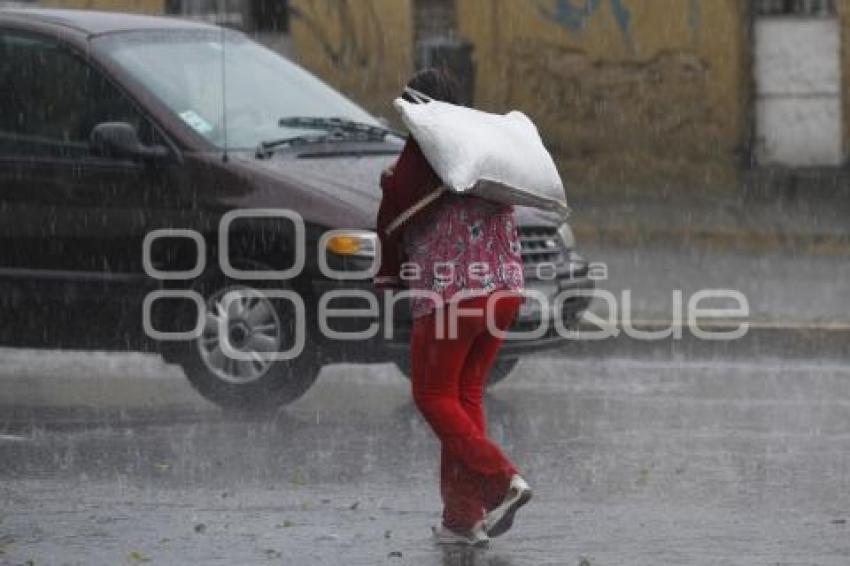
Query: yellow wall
x=362 y=47
x=658 y=94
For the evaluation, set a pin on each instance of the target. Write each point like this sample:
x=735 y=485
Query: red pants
x=448 y=379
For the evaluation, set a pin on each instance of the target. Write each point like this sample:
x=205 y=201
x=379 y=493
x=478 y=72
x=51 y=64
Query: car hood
x=344 y=191
x=338 y=191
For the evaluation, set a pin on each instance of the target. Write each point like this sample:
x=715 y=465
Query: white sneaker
x=473 y=537
x=500 y=519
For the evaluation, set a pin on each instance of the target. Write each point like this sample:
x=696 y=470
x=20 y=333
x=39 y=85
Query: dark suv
x=173 y=187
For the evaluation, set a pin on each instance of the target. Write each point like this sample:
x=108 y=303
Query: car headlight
x=567 y=236
x=352 y=243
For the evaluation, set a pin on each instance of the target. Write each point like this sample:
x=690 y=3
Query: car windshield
x=184 y=69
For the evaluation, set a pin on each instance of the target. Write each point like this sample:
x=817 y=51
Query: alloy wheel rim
x=254 y=329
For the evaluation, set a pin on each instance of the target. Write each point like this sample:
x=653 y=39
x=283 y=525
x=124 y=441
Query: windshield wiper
x=364 y=131
x=266 y=148
x=336 y=130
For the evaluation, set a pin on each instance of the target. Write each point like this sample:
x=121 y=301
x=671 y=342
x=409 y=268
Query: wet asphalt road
x=111 y=460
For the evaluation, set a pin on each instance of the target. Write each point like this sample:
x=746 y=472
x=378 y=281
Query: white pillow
x=497 y=157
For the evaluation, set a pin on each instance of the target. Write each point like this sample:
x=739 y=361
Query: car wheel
x=255 y=324
x=501 y=369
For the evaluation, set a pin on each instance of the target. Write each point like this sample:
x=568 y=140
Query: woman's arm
x=390 y=247
x=410 y=188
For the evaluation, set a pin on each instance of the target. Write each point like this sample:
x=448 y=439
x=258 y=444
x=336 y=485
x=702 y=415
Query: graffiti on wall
x=657 y=106
x=695 y=20
x=574 y=15
x=349 y=37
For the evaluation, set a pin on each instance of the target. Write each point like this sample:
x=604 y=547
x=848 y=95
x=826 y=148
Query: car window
x=52 y=98
x=194 y=72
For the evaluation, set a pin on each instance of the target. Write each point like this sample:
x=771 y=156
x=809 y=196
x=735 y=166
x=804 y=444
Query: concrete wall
x=797 y=74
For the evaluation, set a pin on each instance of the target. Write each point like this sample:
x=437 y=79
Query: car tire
x=246 y=385
x=502 y=368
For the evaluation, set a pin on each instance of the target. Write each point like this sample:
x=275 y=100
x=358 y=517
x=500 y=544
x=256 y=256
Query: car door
x=72 y=220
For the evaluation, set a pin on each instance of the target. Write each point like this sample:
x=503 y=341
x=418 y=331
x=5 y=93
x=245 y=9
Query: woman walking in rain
x=450 y=248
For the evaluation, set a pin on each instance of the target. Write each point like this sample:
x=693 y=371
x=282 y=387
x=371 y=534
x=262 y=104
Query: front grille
x=540 y=244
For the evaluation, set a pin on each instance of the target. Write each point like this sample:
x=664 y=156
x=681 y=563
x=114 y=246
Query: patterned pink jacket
x=462 y=244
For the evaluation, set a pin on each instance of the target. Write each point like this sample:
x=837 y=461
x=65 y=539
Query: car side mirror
x=120 y=140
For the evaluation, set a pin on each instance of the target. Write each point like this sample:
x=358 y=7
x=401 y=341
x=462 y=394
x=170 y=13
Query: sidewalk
x=813 y=224
x=788 y=255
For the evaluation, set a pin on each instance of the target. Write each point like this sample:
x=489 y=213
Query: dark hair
x=436 y=83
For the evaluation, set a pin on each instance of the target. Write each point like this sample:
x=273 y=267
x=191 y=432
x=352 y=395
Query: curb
x=786 y=340
x=717 y=239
